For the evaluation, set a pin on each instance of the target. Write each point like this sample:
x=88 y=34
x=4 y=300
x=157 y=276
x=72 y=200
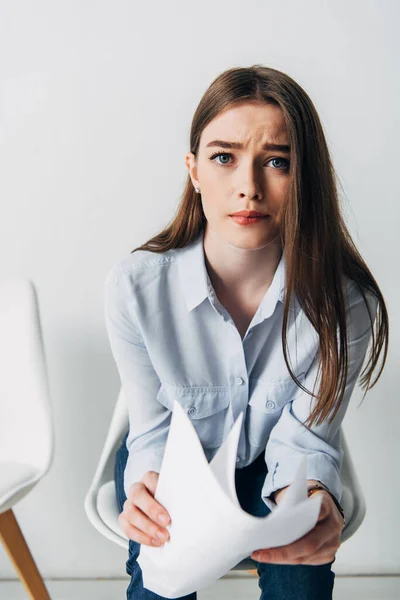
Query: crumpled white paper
x=210 y=532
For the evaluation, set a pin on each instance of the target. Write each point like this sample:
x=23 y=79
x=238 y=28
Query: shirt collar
x=196 y=284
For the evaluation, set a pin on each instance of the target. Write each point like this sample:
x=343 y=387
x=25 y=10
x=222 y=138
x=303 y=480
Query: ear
x=190 y=161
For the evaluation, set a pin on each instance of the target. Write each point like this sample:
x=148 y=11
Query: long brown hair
x=318 y=247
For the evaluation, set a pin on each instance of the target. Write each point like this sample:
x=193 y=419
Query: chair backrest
x=352 y=500
x=119 y=425
x=100 y=504
x=26 y=424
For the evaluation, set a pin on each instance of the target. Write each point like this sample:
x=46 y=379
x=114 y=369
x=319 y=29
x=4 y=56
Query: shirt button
x=192 y=410
x=270 y=404
x=239 y=380
x=238 y=459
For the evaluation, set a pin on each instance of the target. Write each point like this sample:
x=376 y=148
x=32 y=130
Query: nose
x=250 y=194
x=250 y=186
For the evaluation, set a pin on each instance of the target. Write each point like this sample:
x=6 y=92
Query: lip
x=240 y=220
x=248 y=213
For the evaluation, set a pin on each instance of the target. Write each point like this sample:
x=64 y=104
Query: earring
x=197 y=190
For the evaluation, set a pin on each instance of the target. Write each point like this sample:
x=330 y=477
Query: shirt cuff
x=319 y=467
x=140 y=462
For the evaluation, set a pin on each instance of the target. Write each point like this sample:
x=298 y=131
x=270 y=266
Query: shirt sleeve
x=149 y=420
x=290 y=440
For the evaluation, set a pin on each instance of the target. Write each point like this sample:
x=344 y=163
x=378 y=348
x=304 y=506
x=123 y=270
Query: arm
x=148 y=419
x=289 y=439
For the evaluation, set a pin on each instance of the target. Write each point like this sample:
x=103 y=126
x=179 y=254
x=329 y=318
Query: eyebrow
x=239 y=146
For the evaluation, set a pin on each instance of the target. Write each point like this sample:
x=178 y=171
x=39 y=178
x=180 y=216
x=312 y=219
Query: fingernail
x=163 y=519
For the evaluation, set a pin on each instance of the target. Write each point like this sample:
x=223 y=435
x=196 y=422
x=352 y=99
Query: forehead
x=248 y=121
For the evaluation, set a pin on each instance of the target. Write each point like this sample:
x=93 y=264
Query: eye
x=284 y=161
x=218 y=154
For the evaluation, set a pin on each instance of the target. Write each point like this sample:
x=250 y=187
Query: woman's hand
x=139 y=519
x=317 y=547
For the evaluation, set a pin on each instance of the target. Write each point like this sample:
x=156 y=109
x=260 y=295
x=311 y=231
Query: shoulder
x=139 y=265
x=354 y=294
x=137 y=284
x=361 y=310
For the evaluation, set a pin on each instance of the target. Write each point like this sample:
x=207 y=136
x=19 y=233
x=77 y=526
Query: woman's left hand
x=317 y=547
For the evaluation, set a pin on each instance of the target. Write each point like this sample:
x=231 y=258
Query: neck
x=243 y=271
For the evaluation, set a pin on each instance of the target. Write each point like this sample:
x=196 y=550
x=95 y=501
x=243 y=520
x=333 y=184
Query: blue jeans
x=277 y=582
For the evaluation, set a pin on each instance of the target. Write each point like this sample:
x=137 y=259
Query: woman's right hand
x=139 y=518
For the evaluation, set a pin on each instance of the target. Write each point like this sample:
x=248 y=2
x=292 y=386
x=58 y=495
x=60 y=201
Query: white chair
x=101 y=502
x=26 y=428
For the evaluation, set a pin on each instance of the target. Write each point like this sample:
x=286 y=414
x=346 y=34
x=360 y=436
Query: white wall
x=96 y=103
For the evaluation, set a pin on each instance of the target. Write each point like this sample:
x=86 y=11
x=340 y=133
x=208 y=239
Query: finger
x=318 y=559
x=138 y=519
x=314 y=559
x=284 y=555
x=135 y=534
x=150 y=479
x=305 y=546
x=140 y=496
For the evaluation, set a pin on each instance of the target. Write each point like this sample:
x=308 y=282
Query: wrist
x=314 y=488
x=275 y=495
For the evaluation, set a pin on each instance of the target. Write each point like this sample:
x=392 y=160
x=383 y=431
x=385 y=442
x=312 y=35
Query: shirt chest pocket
x=206 y=407
x=267 y=399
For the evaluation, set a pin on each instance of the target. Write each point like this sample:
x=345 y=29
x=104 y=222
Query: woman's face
x=252 y=177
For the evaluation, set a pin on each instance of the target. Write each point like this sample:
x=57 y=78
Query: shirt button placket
x=239 y=381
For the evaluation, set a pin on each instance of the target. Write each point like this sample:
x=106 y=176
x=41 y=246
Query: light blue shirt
x=171 y=339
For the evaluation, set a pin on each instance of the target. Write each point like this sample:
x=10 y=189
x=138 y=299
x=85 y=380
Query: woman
x=230 y=313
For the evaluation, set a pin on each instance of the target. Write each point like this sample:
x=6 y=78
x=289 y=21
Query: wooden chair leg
x=21 y=557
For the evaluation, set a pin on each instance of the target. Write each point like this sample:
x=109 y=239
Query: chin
x=249 y=241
